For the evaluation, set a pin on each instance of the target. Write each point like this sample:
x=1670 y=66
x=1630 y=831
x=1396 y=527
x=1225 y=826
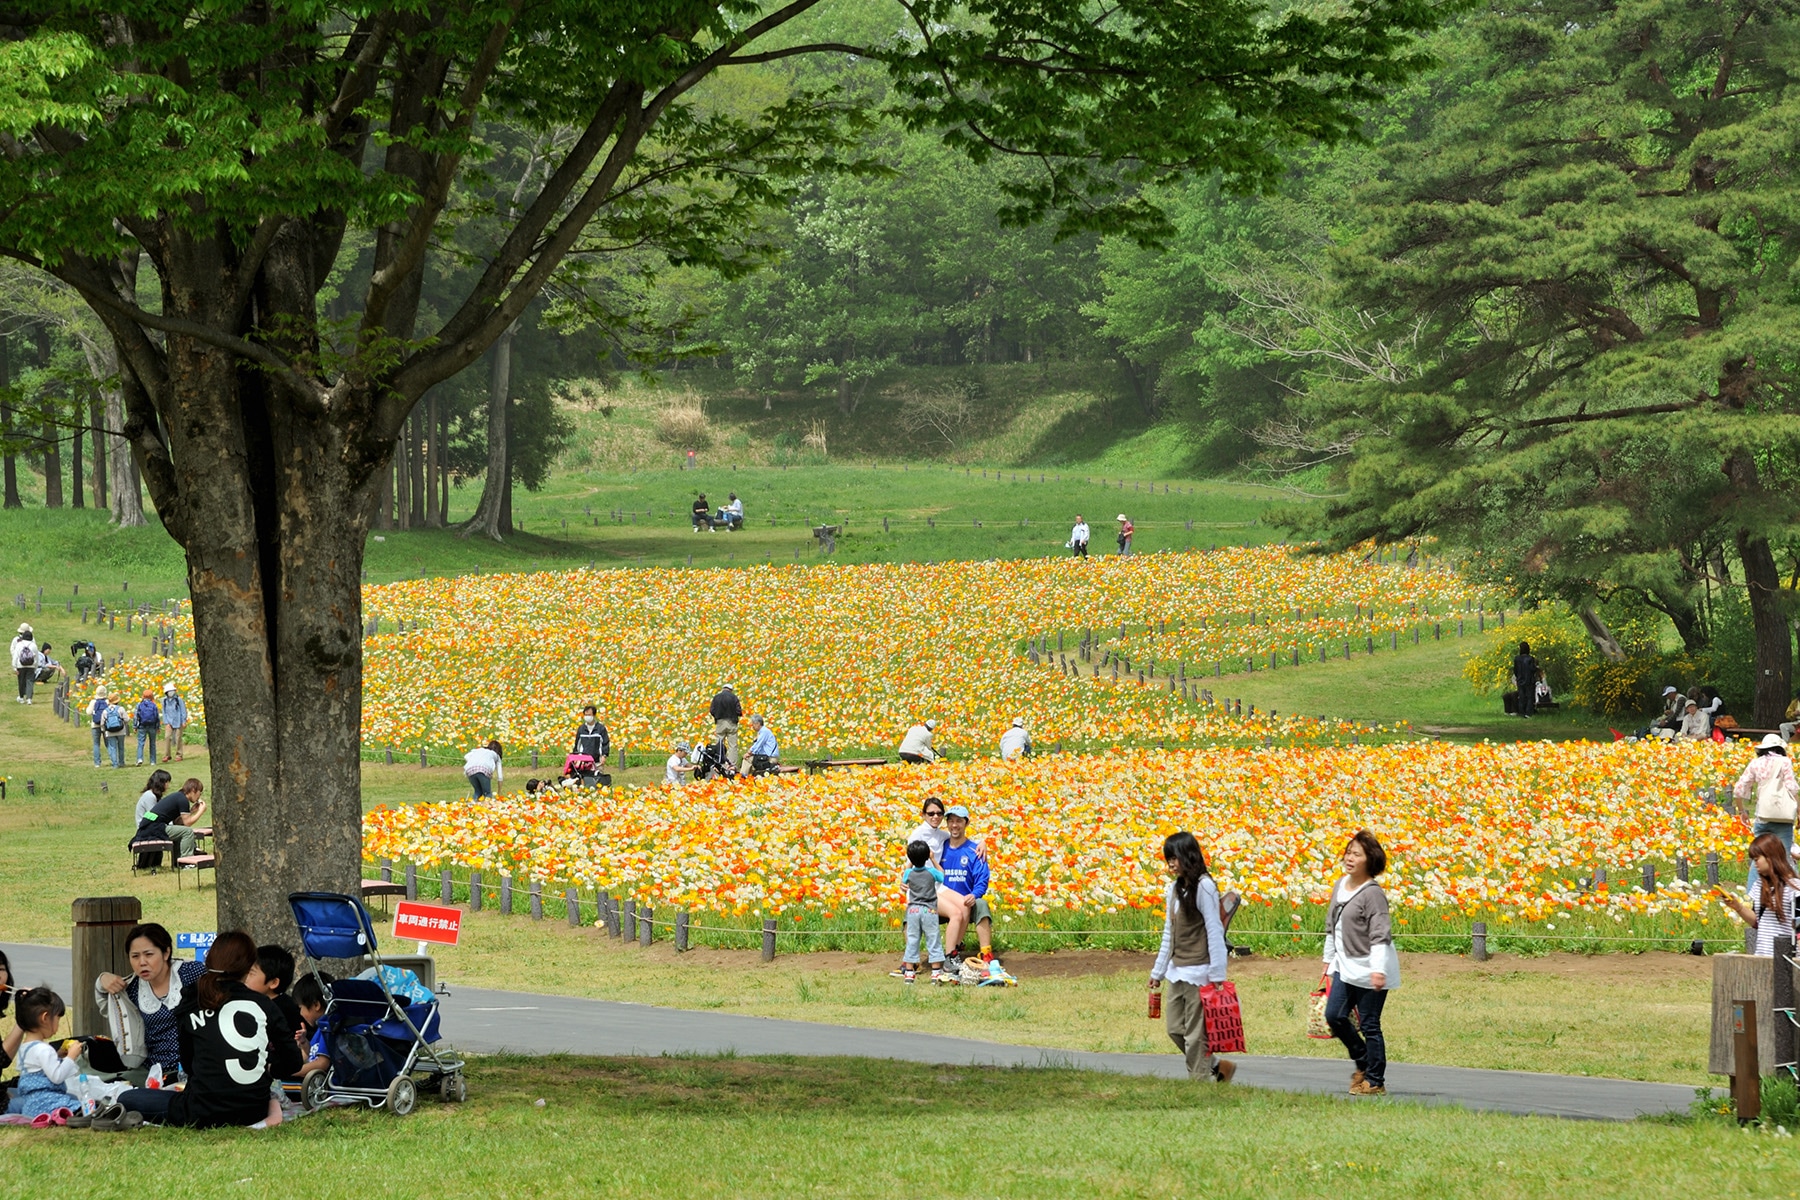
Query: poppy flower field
x=1510 y=834
x=1094 y=653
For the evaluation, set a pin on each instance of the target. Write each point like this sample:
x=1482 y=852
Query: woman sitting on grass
x=234 y=1041
x=143 y=1025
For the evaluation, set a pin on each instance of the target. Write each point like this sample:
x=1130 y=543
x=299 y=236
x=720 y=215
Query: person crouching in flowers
x=1362 y=962
x=1193 y=954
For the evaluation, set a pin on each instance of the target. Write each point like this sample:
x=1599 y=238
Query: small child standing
x=921 y=881
x=43 y=1073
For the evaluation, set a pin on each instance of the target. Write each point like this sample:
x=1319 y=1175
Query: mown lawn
x=853 y=1127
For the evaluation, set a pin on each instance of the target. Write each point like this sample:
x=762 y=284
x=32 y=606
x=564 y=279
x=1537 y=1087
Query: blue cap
x=957 y=810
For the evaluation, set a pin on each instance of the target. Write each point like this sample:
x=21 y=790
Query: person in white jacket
x=1015 y=742
x=1078 y=537
x=916 y=746
x=1768 y=779
x=1361 y=961
x=24 y=652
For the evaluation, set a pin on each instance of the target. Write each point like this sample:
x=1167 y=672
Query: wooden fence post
x=96 y=944
x=768 y=954
x=630 y=920
x=506 y=895
x=1649 y=877
x=681 y=931
x=474 y=891
x=574 y=901
x=1681 y=867
x=412 y=881
x=1712 y=868
x=446 y=889
x=387 y=870
x=537 y=899
x=1478 y=941
x=646 y=926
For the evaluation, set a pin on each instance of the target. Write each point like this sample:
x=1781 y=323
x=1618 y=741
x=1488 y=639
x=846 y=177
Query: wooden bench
x=818 y=766
x=146 y=847
x=384 y=888
x=1747 y=733
x=195 y=863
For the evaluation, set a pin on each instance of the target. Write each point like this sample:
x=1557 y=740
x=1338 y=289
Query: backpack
x=28 y=655
x=148 y=714
x=114 y=720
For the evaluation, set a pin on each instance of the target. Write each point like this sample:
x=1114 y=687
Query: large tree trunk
x=1774 y=664
x=52 y=437
x=125 y=494
x=272 y=506
x=444 y=469
x=433 y=451
x=96 y=420
x=75 y=499
x=1769 y=619
x=493 y=512
x=9 y=462
x=415 y=464
x=402 y=482
x=1599 y=633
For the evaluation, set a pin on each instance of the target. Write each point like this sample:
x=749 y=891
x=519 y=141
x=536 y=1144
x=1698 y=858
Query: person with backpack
x=25 y=662
x=148 y=718
x=175 y=719
x=96 y=715
x=112 y=729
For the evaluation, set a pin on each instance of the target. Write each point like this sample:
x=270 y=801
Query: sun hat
x=1018 y=722
x=957 y=810
x=25 y=629
x=1771 y=741
x=932 y=725
x=1120 y=517
x=100 y=694
x=1668 y=691
x=168 y=687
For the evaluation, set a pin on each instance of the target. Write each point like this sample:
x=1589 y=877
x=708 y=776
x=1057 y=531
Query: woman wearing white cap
x=1015 y=742
x=25 y=662
x=916 y=746
x=1770 y=779
x=1126 y=529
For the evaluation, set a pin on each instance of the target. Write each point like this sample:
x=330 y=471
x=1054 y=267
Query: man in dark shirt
x=172 y=819
x=702 y=513
x=1525 y=673
x=727 y=711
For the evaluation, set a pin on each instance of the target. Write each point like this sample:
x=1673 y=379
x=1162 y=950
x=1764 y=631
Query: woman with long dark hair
x=1362 y=963
x=1773 y=893
x=1193 y=954
x=234 y=1041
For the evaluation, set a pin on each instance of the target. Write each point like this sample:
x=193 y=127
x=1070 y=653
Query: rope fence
x=626 y=919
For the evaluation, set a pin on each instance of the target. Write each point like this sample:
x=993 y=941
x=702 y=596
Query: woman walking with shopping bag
x=1192 y=958
x=1362 y=962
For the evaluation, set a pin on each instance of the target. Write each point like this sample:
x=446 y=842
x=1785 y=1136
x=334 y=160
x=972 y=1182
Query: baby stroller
x=583 y=771
x=712 y=761
x=382 y=1046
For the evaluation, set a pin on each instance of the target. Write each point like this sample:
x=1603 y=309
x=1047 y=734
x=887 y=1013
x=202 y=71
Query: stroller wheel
x=313 y=1090
x=454 y=1088
x=402 y=1095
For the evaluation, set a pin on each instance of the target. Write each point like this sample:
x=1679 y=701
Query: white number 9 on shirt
x=256 y=1042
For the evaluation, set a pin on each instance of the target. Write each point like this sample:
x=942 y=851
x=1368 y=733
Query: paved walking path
x=482 y=1021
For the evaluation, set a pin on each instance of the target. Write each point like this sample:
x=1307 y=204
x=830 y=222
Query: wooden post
x=506 y=895
x=96 y=944
x=412 y=881
x=1681 y=867
x=387 y=870
x=609 y=915
x=1712 y=868
x=1649 y=877
x=474 y=891
x=1782 y=1012
x=1478 y=941
x=537 y=900
x=446 y=889
x=769 y=940
x=574 y=909
x=630 y=920
x=646 y=927
x=1746 y=1073
x=681 y=931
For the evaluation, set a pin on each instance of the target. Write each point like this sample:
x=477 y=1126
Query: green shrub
x=1579 y=674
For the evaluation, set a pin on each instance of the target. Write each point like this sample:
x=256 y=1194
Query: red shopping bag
x=1224 y=1020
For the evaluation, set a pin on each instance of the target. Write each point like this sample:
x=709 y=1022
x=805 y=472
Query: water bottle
x=85 y=1094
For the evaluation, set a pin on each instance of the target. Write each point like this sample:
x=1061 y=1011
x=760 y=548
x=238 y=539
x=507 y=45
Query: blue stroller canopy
x=332 y=925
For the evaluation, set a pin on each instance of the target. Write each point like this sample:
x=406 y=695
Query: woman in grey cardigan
x=1362 y=963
